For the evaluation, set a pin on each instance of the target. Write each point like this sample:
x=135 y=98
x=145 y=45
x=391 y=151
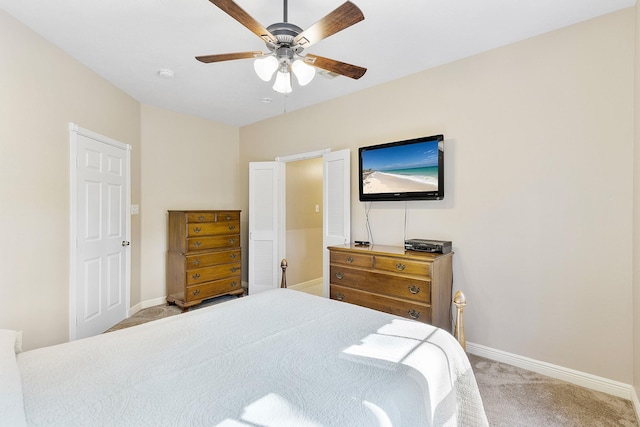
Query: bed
x=278 y=358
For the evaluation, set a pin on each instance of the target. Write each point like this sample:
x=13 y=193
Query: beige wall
x=188 y=163
x=41 y=90
x=539 y=167
x=304 y=224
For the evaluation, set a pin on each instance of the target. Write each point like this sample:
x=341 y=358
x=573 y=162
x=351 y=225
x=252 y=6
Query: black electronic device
x=403 y=170
x=361 y=243
x=423 y=245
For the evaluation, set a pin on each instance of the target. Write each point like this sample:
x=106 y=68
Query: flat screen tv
x=403 y=170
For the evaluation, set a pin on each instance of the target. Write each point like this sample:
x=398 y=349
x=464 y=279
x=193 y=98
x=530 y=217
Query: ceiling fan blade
x=342 y=17
x=334 y=66
x=228 y=56
x=237 y=13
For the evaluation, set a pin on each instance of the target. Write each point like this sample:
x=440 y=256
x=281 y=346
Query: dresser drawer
x=212 y=228
x=205 y=259
x=215 y=272
x=228 y=216
x=402 y=266
x=212 y=242
x=351 y=259
x=209 y=289
x=379 y=283
x=403 y=308
x=201 y=217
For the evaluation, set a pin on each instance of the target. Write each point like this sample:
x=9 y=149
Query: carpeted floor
x=516 y=397
x=512 y=397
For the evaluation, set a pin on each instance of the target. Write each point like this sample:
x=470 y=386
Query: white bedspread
x=279 y=358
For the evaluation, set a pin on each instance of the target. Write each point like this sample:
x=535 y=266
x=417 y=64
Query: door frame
x=74 y=131
x=279 y=246
x=325 y=228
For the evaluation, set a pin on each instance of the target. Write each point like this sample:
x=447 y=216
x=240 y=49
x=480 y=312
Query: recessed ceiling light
x=165 y=73
x=265 y=100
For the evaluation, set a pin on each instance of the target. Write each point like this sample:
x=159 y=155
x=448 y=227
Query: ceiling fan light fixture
x=286 y=41
x=265 y=67
x=283 y=82
x=303 y=72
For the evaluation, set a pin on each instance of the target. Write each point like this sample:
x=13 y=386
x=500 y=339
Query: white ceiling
x=128 y=41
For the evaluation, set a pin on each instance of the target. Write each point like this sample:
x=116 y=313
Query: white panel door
x=337 y=201
x=264 y=210
x=101 y=271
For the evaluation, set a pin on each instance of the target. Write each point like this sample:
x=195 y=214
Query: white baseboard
x=146 y=304
x=593 y=382
x=136 y=308
x=635 y=401
x=306 y=285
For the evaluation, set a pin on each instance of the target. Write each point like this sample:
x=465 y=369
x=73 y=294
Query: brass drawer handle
x=234 y=283
x=339 y=275
x=232 y=227
x=232 y=241
x=400 y=266
x=234 y=269
x=233 y=255
x=196 y=276
x=414 y=289
x=197 y=244
x=201 y=217
x=196 y=292
x=350 y=260
x=197 y=229
x=196 y=261
x=228 y=217
x=414 y=314
x=339 y=296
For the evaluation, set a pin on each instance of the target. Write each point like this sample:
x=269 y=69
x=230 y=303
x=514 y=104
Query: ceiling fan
x=286 y=41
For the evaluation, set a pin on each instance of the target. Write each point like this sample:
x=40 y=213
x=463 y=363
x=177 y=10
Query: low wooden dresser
x=415 y=285
x=204 y=258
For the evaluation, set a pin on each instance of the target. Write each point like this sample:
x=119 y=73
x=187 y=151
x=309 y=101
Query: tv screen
x=403 y=170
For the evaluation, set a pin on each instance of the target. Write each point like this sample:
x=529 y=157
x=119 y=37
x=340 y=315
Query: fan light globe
x=303 y=72
x=283 y=82
x=265 y=67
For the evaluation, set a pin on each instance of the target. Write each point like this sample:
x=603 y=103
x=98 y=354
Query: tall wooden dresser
x=415 y=285
x=204 y=258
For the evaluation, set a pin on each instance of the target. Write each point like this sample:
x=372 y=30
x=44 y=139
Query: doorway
x=304 y=209
x=267 y=215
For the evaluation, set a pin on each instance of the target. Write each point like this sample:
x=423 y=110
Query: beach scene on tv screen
x=400 y=168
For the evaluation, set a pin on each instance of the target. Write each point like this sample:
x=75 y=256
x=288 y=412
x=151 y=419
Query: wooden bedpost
x=459 y=300
x=283 y=266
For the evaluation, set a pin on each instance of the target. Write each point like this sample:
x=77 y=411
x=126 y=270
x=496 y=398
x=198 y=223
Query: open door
x=337 y=202
x=265 y=180
x=267 y=215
